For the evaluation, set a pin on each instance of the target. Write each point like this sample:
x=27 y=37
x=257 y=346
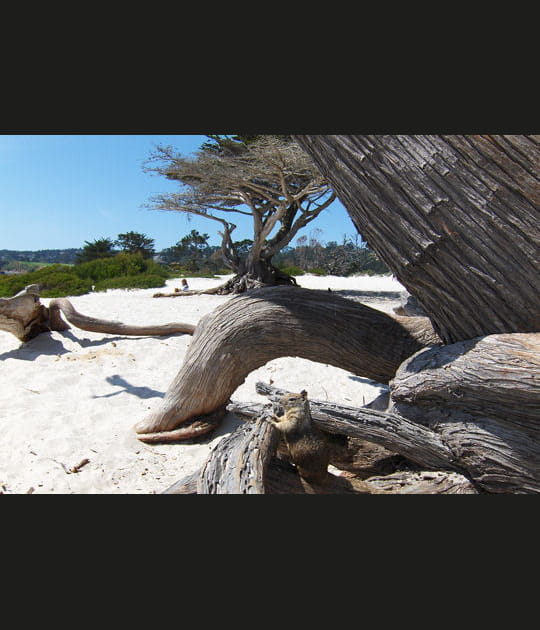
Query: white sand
x=66 y=397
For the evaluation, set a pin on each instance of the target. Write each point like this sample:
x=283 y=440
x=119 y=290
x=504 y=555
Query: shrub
x=10 y=285
x=123 y=271
x=120 y=265
x=62 y=284
x=140 y=281
x=53 y=281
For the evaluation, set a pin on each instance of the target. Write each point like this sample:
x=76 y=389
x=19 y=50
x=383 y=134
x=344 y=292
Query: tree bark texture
x=239 y=462
x=456 y=218
x=482 y=397
x=253 y=328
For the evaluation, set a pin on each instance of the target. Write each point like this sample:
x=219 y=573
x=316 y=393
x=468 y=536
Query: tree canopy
x=100 y=248
x=267 y=178
x=134 y=242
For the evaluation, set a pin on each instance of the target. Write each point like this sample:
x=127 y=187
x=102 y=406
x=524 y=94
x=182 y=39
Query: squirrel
x=307 y=445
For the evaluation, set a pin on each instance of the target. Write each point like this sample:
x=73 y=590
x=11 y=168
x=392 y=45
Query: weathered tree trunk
x=24 y=316
x=456 y=218
x=251 y=329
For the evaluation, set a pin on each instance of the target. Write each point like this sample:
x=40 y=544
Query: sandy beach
x=67 y=397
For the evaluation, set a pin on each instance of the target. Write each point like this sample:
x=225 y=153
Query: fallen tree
x=24 y=316
x=456 y=219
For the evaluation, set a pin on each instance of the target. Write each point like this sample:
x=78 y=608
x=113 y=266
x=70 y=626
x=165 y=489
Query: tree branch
x=397 y=434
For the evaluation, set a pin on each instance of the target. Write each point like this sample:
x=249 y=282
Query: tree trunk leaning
x=456 y=218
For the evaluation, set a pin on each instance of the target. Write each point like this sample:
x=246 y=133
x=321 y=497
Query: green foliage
x=54 y=281
x=121 y=271
x=121 y=265
x=140 y=281
x=292 y=270
x=136 y=243
x=100 y=248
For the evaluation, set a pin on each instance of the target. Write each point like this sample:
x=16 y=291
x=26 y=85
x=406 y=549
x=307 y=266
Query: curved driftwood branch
x=471 y=407
x=246 y=462
x=24 y=316
x=253 y=328
x=474 y=404
x=92 y=324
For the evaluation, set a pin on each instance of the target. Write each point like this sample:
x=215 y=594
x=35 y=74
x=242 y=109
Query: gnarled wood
x=396 y=433
x=253 y=328
x=238 y=463
x=422 y=482
x=475 y=403
x=245 y=463
x=482 y=396
x=472 y=407
x=23 y=315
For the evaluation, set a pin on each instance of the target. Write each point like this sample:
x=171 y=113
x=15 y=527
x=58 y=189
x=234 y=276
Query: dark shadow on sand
x=128 y=388
x=45 y=344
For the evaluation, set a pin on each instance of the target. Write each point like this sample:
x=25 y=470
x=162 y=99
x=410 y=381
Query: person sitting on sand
x=185 y=286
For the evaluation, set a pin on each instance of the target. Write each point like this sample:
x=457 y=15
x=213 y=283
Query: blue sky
x=58 y=191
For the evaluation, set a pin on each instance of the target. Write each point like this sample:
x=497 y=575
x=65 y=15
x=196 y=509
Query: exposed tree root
x=251 y=329
x=240 y=283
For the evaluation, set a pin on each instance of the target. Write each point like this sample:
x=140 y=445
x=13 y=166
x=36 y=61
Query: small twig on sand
x=75 y=469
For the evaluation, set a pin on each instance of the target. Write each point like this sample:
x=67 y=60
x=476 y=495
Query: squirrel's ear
x=303 y=393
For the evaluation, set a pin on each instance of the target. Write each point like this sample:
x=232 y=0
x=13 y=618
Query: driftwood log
x=24 y=316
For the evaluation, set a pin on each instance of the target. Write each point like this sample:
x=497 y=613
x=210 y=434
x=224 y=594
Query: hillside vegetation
x=118 y=272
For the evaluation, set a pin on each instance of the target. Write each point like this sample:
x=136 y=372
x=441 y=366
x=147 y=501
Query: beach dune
x=69 y=400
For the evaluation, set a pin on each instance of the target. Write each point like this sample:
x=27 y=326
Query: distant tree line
x=9 y=258
x=128 y=243
x=193 y=255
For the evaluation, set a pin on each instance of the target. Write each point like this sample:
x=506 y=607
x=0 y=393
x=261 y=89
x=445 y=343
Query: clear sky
x=58 y=191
